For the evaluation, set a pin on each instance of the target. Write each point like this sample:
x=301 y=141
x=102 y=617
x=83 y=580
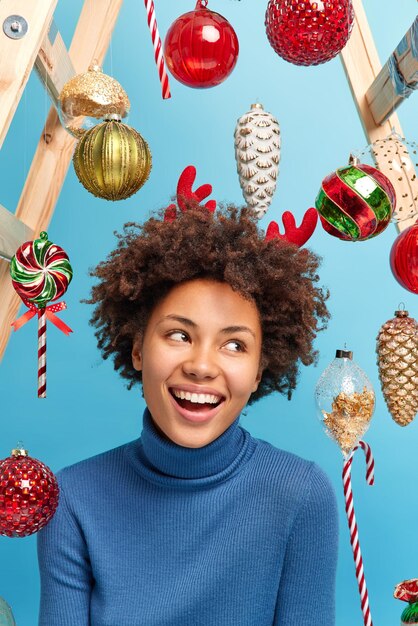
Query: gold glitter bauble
x=112 y=160
x=91 y=94
x=397 y=359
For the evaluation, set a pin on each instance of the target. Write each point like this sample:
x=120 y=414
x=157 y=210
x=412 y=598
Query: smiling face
x=200 y=360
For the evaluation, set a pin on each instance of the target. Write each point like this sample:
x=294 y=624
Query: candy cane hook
x=158 y=48
x=352 y=524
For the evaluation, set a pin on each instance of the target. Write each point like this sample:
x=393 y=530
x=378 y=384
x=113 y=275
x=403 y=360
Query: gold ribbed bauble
x=91 y=94
x=112 y=160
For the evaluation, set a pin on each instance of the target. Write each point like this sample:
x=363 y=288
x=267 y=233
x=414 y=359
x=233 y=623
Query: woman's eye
x=178 y=335
x=235 y=346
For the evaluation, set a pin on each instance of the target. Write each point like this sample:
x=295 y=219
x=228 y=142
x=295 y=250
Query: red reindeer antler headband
x=298 y=235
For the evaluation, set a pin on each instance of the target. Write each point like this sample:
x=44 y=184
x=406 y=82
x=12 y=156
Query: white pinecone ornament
x=257 y=152
x=397 y=359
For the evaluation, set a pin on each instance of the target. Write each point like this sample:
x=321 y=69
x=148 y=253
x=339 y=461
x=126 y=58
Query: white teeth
x=198 y=398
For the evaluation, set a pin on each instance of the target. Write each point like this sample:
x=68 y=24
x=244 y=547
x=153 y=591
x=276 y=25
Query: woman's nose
x=201 y=363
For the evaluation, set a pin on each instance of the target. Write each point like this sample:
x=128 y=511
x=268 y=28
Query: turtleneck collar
x=163 y=461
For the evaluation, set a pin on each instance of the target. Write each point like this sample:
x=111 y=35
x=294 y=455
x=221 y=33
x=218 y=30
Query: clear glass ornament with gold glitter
x=398 y=159
x=345 y=401
x=89 y=97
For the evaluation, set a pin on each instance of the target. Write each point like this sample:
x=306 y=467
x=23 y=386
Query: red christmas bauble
x=28 y=495
x=308 y=32
x=201 y=48
x=404 y=258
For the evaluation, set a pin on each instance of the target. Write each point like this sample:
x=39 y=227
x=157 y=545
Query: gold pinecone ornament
x=397 y=359
x=257 y=152
x=112 y=160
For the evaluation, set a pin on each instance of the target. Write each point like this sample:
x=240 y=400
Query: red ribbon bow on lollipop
x=49 y=312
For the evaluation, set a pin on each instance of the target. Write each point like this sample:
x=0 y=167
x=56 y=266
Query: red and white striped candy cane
x=352 y=524
x=158 y=48
x=42 y=353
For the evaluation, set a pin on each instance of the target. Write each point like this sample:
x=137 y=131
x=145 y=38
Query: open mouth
x=196 y=402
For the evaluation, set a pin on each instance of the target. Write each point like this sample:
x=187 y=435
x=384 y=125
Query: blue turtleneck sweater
x=237 y=533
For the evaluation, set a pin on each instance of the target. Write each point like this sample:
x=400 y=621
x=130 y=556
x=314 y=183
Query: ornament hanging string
x=352 y=524
x=158 y=48
x=44 y=314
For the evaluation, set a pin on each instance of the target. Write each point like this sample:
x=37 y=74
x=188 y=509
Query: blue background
x=88 y=409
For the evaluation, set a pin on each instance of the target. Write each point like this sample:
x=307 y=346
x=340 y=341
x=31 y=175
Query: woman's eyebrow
x=225 y=331
x=237 y=329
x=181 y=320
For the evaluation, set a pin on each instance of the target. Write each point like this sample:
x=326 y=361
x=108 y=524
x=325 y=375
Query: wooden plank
x=54 y=64
x=361 y=64
x=53 y=155
x=13 y=233
x=397 y=79
x=18 y=55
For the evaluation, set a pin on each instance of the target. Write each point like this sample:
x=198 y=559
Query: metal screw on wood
x=15 y=26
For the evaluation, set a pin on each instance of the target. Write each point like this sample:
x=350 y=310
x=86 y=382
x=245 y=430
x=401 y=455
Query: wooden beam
x=53 y=155
x=13 y=233
x=54 y=64
x=361 y=64
x=397 y=79
x=18 y=55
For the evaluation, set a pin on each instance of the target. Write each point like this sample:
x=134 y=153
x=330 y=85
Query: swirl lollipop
x=41 y=273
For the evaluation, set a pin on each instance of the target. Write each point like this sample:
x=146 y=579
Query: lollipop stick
x=352 y=524
x=42 y=353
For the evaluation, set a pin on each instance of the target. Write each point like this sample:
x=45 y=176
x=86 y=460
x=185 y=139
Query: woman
x=197 y=523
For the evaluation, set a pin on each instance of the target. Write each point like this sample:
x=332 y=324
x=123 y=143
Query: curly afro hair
x=225 y=246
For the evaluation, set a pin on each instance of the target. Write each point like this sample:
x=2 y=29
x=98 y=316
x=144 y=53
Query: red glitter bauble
x=28 y=495
x=404 y=258
x=201 y=48
x=308 y=32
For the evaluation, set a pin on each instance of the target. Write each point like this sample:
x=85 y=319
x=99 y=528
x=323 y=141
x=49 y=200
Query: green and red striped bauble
x=355 y=202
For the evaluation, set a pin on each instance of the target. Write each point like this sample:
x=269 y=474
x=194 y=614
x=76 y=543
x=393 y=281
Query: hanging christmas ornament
x=356 y=202
x=6 y=615
x=397 y=359
x=345 y=402
x=41 y=273
x=257 y=153
x=112 y=160
x=308 y=32
x=404 y=258
x=408 y=592
x=201 y=47
x=90 y=96
x=28 y=494
x=398 y=158
x=158 y=48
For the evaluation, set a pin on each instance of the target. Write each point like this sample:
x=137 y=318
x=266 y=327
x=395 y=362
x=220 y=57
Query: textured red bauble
x=201 y=48
x=308 y=32
x=28 y=495
x=404 y=258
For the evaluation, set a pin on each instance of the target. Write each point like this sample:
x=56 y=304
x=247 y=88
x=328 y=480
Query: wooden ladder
x=43 y=48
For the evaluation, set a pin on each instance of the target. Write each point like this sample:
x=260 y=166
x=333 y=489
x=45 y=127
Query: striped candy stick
x=352 y=524
x=42 y=353
x=158 y=48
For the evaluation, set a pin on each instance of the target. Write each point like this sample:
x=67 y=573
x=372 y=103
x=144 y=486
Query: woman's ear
x=261 y=368
x=137 y=354
x=257 y=380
